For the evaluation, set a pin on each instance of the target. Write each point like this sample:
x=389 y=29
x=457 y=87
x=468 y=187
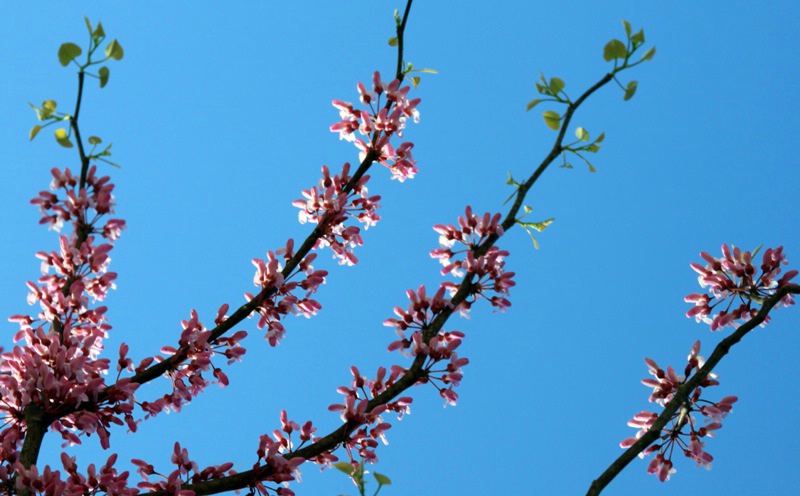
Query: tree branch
x=684 y=391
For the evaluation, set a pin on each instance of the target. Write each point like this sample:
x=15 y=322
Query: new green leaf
x=34 y=131
x=614 y=49
x=67 y=53
x=62 y=138
x=533 y=103
x=556 y=85
x=103 y=74
x=382 y=479
x=582 y=134
x=630 y=90
x=552 y=119
x=114 y=50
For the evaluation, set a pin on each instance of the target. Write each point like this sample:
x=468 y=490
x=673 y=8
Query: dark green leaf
x=649 y=54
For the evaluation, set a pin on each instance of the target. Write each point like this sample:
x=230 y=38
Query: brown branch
x=684 y=391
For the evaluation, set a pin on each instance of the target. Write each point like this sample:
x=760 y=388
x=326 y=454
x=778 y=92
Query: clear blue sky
x=220 y=114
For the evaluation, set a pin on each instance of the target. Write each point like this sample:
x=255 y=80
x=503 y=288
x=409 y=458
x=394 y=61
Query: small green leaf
x=67 y=53
x=103 y=74
x=614 y=49
x=582 y=134
x=649 y=54
x=541 y=226
x=533 y=103
x=638 y=38
x=94 y=140
x=88 y=24
x=627 y=27
x=114 y=50
x=415 y=81
x=428 y=71
x=552 y=119
x=630 y=90
x=382 y=479
x=344 y=467
x=34 y=131
x=543 y=90
x=99 y=33
x=556 y=85
x=48 y=109
x=600 y=138
x=393 y=41
x=510 y=181
x=397 y=17
x=591 y=167
x=62 y=138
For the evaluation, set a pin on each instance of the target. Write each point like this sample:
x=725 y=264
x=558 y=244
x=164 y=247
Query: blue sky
x=219 y=116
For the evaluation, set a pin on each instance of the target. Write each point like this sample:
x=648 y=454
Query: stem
x=683 y=392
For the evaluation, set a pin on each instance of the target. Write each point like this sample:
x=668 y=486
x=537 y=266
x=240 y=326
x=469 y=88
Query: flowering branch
x=683 y=393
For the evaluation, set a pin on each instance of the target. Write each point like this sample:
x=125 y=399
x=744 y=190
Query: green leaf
x=510 y=181
x=67 y=53
x=62 y=138
x=47 y=110
x=552 y=119
x=540 y=226
x=533 y=103
x=600 y=138
x=393 y=41
x=614 y=49
x=99 y=33
x=638 y=38
x=34 y=131
x=556 y=85
x=582 y=134
x=415 y=81
x=382 y=479
x=627 y=27
x=103 y=74
x=428 y=71
x=114 y=50
x=344 y=467
x=630 y=90
x=543 y=90
x=94 y=140
x=649 y=54
x=88 y=24
x=591 y=167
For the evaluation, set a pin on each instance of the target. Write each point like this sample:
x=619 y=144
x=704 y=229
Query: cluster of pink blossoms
x=56 y=369
x=732 y=278
x=337 y=197
x=471 y=232
x=684 y=432
x=378 y=124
